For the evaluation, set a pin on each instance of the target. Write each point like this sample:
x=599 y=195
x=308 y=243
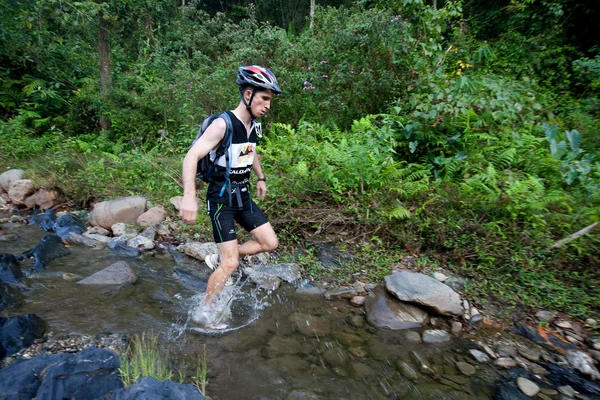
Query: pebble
x=357 y=301
x=435 y=336
x=456 y=327
x=413 y=337
x=505 y=362
x=543 y=315
x=591 y=321
x=568 y=391
x=440 y=277
x=479 y=356
x=596 y=345
x=532 y=354
x=527 y=386
x=466 y=368
x=563 y=324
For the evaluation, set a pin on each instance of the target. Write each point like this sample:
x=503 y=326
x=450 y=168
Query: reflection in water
x=279 y=345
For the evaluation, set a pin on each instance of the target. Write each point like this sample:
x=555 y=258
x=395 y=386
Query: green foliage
x=143 y=357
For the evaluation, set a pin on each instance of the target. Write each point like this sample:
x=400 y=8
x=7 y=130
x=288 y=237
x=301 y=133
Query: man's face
x=261 y=103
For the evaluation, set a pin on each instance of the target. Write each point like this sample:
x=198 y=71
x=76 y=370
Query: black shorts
x=223 y=218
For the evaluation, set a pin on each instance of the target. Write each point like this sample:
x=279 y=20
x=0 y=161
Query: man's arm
x=261 y=186
x=208 y=141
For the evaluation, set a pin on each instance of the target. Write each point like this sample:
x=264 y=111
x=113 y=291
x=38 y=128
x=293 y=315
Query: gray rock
x=528 y=387
x=122 y=229
x=289 y=272
x=466 y=368
x=266 y=282
x=344 y=292
x=455 y=283
x=413 y=337
x=98 y=230
x=198 y=250
x=8 y=177
x=505 y=362
x=309 y=325
x=142 y=241
x=358 y=301
x=424 y=290
x=440 y=277
x=533 y=354
x=153 y=216
x=407 y=370
x=385 y=312
x=20 y=190
x=422 y=363
x=505 y=350
x=435 y=336
x=96 y=237
x=479 y=356
x=456 y=327
x=125 y=209
x=74 y=238
x=583 y=363
x=544 y=315
x=149 y=233
x=116 y=274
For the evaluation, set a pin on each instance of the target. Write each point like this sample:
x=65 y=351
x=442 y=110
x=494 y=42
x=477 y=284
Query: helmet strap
x=249 y=103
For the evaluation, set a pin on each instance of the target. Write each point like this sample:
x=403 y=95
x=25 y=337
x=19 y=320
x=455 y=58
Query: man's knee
x=270 y=243
x=229 y=265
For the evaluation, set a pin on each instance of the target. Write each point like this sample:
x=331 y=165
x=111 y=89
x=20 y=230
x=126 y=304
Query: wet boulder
x=148 y=388
x=383 y=311
x=49 y=248
x=121 y=249
x=19 y=332
x=10 y=272
x=118 y=273
x=198 y=250
x=45 y=220
x=287 y=272
x=10 y=297
x=8 y=177
x=563 y=376
x=125 y=209
x=68 y=223
x=91 y=374
x=424 y=290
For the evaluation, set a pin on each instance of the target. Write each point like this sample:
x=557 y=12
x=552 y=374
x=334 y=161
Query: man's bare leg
x=264 y=240
x=230 y=259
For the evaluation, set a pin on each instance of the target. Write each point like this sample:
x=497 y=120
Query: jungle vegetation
x=455 y=134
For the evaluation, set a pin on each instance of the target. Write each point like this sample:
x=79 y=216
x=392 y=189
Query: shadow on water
x=279 y=345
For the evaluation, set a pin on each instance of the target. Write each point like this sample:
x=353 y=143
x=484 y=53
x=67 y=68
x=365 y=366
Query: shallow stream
x=285 y=345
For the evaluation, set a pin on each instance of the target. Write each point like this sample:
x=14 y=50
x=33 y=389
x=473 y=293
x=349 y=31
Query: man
x=258 y=85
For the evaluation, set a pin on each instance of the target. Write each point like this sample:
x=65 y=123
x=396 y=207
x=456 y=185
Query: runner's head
x=257 y=79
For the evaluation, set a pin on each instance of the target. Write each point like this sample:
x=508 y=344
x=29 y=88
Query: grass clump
x=144 y=358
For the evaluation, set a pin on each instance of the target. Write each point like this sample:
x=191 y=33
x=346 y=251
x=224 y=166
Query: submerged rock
x=10 y=272
x=385 y=312
x=116 y=274
x=148 y=388
x=425 y=290
x=49 y=248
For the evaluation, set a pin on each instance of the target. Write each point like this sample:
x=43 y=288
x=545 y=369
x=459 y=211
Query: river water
x=283 y=345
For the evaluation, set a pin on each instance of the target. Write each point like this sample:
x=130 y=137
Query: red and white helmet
x=257 y=76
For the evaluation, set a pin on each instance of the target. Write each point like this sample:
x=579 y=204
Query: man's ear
x=247 y=94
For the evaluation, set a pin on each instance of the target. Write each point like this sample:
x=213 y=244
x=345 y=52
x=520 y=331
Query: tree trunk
x=105 y=69
x=435 y=4
x=312 y=14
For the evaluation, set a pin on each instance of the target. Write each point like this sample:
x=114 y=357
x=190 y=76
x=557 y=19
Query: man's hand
x=188 y=210
x=261 y=189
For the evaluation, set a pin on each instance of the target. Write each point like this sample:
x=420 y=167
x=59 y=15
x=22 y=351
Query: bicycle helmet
x=258 y=77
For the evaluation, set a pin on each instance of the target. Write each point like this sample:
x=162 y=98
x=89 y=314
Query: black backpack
x=206 y=167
